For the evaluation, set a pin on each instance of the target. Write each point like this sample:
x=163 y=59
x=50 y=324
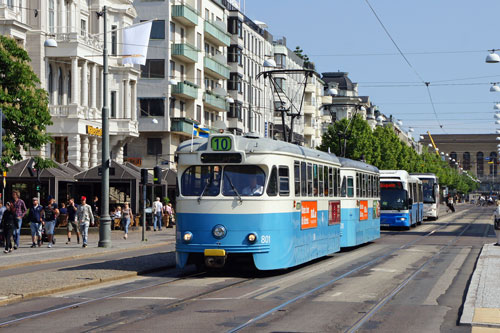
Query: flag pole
x=192 y=138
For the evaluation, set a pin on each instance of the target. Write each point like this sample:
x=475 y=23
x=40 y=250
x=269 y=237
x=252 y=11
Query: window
x=330 y=181
x=338 y=181
x=235 y=54
x=280 y=83
x=60 y=87
x=172 y=68
x=234 y=26
x=321 y=189
x=480 y=166
x=493 y=163
x=309 y=179
x=466 y=161
x=200 y=180
x=152 y=107
x=114 y=40
x=51 y=85
x=198 y=113
x=325 y=177
x=171 y=105
x=235 y=82
x=113 y=104
x=198 y=41
x=280 y=60
x=83 y=28
x=182 y=107
x=350 y=187
x=272 y=187
x=343 y=190
x=154 y=146
x=154 y=69
x=68 y=89
x=157 y=30
x=303 y=178
x=358 y=185
x=453 y=156
x=52 y=13
x=172 y=31
x=284 y=181
x=315 y=178
x=296 y=174
x=245 y=180
x=363 y=184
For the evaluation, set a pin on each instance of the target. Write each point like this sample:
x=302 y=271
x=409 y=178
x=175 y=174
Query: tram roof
x=257 y=145
x=348 y=163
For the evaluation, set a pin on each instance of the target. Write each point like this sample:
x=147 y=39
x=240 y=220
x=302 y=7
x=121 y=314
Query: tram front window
x=198 y=180
x=429 y=191
x=393 y=196
x=244 y=181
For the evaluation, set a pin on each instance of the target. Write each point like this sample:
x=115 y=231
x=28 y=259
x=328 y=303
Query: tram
x=244 y=198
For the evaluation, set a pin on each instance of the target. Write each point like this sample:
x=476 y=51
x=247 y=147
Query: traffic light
x=157 y=175
x=38 y=187
x=144 y=176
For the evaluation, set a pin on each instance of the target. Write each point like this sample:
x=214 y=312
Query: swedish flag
x=200 y=131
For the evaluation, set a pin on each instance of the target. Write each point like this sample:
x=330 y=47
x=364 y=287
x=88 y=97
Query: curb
x=82 y=256
x=46 y=292
x=470 y=300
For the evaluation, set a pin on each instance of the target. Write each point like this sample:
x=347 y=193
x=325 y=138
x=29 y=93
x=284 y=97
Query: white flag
x=135 y=43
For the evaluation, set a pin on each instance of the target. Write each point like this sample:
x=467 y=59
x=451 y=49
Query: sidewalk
x=30 y=272
x=482 y=305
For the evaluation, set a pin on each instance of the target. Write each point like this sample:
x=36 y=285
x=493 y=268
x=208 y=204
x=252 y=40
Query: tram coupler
x=215 y=262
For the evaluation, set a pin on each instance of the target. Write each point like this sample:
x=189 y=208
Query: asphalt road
x=407 y=281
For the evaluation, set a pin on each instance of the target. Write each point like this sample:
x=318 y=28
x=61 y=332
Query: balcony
x=214 y=101
x=216 y=32
x=309 y=109
x=310 y=88
x=185 y=52
x=309 y=131
x=326 y=99
x=181 y=126
x=186 y=90
x=185 y=15
x=215 y=66
x=67 y=111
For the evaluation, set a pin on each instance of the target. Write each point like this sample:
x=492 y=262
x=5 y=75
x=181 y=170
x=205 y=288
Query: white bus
x=431 y=194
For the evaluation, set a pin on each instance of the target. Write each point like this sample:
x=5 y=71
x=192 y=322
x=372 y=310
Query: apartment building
x=72 y=73
x=315 y=124
x=184 y=79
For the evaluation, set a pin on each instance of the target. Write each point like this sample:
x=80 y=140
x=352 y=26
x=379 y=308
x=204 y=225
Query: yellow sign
x=91 y=130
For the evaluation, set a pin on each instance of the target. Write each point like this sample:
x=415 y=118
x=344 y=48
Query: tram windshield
x=201 y=180
x=429 y=195
x=393 y=196
x=243 y=180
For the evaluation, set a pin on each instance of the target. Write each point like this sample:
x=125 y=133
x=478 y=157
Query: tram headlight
x=252 y=237
x=219 y=231
x=402 y=218
x=187 y=236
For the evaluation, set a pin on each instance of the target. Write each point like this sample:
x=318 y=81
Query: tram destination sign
x=221 y=143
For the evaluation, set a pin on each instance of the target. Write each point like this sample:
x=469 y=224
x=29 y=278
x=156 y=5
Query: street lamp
x=50 y=43
x=332 y=92
x=494 y=87
x=492 y=58
x=269 y=63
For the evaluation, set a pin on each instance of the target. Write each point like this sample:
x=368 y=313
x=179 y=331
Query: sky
x=446 y=43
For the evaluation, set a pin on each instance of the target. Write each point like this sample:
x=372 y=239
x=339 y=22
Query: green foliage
x=24 y=104
x=383 y=149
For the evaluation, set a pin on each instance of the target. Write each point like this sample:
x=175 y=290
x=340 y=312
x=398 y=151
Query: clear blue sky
x=344 y=35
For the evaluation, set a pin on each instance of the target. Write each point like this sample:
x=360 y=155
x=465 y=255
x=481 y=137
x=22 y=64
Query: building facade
x=72 y=73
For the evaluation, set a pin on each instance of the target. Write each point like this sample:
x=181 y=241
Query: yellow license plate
x=215 y=253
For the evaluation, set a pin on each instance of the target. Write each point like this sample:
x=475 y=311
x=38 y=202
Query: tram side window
x=337 y=171
x=327 y=181
x=378 y=186
x=321 y=186
x=284 y=181
x=369 y=186
x=309 y=179
x=330 y=181
x=272 y=187
x=358 y=185
x=350 y=187
x=303 y=179
x=343 y=190
x=201 y=179
x=363 y=177
x=296 y=175
x=315 y=177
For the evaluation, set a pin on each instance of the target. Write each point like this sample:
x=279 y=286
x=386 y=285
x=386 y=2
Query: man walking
x=72 y=208
x=51 y=212
x=85 y=219
x=36 y=222
x=157 y=213
x=20 y=211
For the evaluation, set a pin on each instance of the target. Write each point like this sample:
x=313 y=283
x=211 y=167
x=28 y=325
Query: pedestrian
x=2 y=210
x=85 y=219
x=497 y=224
x=72 y=208
x=8 y=221
x=157 y=213
x=20 y=208
x=127 y=216
x=63 y=209
x=36 y=222
x=172 y=214
x=95 y=206
x=449 y=203
x=50 y=214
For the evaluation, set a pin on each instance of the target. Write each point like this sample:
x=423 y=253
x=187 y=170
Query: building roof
x=341 y=78
x=120 y=172
x=20 y=170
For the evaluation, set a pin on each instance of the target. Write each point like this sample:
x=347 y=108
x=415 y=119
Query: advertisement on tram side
x=309 y=215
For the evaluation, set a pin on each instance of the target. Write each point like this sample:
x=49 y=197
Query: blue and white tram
x=273 y=202
x=360 y=216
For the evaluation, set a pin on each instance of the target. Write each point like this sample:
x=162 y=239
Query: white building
x=72 y=72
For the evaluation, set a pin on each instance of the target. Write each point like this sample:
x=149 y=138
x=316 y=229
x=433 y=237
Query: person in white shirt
x=157 y=214
x=85 y=219
x=253 y=188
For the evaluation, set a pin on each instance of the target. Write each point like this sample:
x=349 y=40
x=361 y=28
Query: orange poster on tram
x=309 y=215
x=363 y=210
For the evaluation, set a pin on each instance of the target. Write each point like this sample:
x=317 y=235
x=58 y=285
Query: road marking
x=146 y=298
x=337 y=294
x=387 y=270
x=444 y=282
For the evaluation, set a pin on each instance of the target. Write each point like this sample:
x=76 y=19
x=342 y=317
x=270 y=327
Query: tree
x=24 y=104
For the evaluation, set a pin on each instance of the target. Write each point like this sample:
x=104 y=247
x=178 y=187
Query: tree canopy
x=24 y=104
x=382 y=148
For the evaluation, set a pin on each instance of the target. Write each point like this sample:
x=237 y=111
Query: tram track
x=198 y=296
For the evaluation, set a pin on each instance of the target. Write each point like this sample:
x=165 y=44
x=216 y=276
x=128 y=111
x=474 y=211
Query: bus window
x=296 y=174
x=303 y=179
x=350 y=187
x=358 y=185
x=272 y=187
x=321 y=183
x=243 y=180
x=330 y=181
x=309 y=180
x=283 y=181
x=201 y=179
x=315 y=177
x=343 y=189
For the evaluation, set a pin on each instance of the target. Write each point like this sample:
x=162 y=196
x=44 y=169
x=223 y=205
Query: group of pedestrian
x=11 y=217
x=162 y=214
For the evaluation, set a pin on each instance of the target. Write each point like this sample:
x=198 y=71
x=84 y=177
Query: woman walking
x=9 y=222
x=126 y=217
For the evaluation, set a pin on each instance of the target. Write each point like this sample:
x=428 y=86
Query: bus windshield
x=201 y=180
x=429 y=195
x=393 y=196
x=243 y=180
